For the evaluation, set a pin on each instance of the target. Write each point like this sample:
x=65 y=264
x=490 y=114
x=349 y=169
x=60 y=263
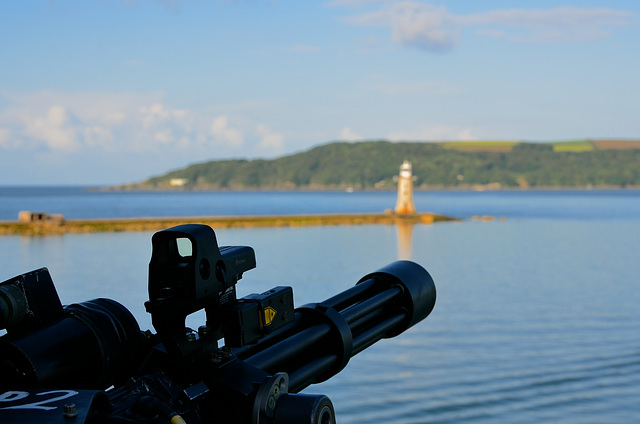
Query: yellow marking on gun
x=269 y=314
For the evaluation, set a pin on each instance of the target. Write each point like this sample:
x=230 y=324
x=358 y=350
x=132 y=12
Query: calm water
x=77 y=203
x=537 y=317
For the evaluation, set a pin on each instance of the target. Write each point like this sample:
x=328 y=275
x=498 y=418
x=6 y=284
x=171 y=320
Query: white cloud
x=4 y=137
x=107 y=108
x=158 y=113
x=97 y=136
x=164 y=137
x=54 y=129
x=222 y=132
x=347 y=134
x=122 y=134
x=127 y=123
x=562 y=24
x=114 y=117
x=152 y=115
x=435 y=29
x=433 y=133
x=269 y=139
x=424 y=26
x=50 y=121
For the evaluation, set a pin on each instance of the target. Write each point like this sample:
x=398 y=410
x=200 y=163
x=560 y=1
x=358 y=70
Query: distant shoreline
x=120 y=188
x=487 y=187
x=156 y=223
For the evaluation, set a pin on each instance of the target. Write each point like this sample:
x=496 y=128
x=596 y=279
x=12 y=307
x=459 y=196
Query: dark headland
x=373 y=165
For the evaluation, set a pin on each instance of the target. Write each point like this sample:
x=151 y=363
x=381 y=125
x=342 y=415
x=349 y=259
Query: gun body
x=90 y=362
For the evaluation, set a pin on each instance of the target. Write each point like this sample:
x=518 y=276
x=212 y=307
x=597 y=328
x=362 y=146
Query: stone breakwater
x=156 y=224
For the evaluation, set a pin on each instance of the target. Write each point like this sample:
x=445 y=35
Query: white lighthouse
x=405 y=190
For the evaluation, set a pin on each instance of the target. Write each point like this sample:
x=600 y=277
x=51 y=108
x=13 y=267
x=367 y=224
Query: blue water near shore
x=537 y=317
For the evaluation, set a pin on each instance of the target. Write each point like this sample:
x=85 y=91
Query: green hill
x=374 y=164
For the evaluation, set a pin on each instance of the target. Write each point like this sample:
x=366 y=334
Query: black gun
x=90 y=363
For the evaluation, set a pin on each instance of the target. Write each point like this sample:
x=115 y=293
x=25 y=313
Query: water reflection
x=405 y=239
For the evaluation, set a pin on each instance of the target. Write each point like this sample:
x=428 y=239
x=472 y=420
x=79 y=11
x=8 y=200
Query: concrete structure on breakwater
x=155 y=224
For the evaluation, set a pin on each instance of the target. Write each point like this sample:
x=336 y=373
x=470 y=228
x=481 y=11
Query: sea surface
x=537 y=317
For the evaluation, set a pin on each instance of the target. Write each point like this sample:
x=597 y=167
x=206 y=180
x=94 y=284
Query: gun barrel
x=324 y=336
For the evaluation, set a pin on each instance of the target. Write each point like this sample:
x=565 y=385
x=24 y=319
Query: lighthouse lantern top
x=405 y=169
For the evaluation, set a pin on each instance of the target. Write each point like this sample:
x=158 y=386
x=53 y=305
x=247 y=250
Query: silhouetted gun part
x=271 y=350
x=188 y=272
x=86 y=345
x=325 y=335
x=29 y=301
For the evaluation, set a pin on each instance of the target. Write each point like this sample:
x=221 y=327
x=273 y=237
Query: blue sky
x=114 y=91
